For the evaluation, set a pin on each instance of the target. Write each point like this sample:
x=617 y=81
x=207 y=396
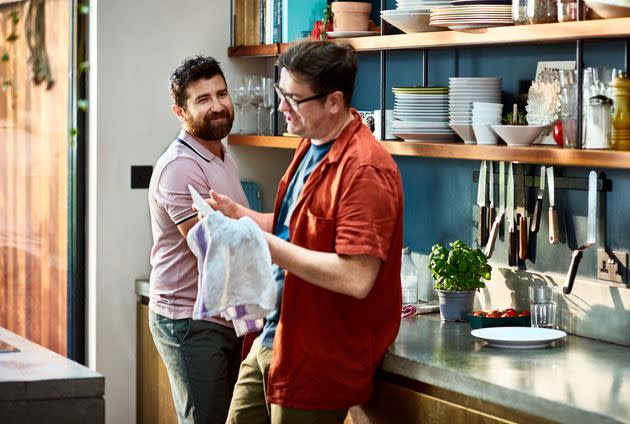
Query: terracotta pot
x=351 y=15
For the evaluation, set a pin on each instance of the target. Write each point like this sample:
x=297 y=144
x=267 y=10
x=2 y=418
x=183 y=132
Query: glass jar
x=542 y=11
x=567 y=10
x=621 y=120
x=598 y=123
x=519 y=12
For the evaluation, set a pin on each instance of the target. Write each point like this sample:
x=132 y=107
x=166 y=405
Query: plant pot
x=351 y=15
x=456 y=305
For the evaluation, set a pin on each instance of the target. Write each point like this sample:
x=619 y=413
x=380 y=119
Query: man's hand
x=223 y=204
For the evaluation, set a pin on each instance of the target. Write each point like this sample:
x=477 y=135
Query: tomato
x=509 y=313
x=479 y=313
x=524 y=314
x=495 y=311
x=509 y=310
x=493 y=315
x=557 y=133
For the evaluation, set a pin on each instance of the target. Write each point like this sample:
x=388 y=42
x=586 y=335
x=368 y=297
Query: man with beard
x=202 y=357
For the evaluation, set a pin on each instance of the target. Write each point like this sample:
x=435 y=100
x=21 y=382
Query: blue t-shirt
x=311 y=159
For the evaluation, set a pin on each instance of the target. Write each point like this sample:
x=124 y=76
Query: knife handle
x=522 y=237
x=553 y=226
x=536 y=218
x=511 y=246
x=481 y=226
x=492 y=238
x=575 y=263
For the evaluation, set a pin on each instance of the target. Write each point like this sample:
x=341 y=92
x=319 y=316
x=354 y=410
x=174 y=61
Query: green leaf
x=6 y=85
x=84 y=66
x=5 y=57
x=73 y=132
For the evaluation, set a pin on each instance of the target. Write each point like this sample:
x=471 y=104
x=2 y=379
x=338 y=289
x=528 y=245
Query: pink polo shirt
x=173 y=287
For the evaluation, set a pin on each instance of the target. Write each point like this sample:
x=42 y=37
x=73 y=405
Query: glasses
x=293 y=103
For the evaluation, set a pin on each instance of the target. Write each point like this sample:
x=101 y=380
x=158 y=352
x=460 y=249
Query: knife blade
x=200 y=203
x=509 y=215
x=481 y=201
x=499 y=218
x=576 y=257
x=553 y=217
x=521 y=212
x=535 y=225
x=491 y=212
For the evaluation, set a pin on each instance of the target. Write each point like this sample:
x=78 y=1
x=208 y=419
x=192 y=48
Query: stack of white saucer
x=462 y=93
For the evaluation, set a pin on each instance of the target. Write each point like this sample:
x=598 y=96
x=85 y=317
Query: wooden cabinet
x=398 y=400
x=154 y=400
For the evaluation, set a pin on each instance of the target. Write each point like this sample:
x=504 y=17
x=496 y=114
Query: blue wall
x=440 y=194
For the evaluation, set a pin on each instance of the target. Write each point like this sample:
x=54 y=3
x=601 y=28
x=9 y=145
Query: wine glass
x=238 y=93
x=269 y=101
x=255 y=92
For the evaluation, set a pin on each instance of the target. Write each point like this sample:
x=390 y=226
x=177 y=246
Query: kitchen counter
x=38 y=385
x=577 y=380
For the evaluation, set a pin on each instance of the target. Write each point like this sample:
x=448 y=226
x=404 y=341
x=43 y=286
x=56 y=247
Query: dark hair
x=192 y=69
x=326 y=66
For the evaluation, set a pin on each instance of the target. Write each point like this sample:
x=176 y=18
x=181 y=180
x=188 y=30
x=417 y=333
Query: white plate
x=518 y=337
x=427 y=137
x=347 y=34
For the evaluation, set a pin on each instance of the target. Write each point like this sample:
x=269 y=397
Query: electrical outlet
x=612 y=266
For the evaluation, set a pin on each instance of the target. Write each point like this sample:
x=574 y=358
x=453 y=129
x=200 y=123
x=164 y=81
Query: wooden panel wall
x=33 y=186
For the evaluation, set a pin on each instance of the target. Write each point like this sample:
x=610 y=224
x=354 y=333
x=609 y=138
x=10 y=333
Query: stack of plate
x=471 y=16
x=462 y=93
x=420 y=5
x=421 y=114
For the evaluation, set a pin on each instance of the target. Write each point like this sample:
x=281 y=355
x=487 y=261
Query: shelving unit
x=508 y=35
x=543 y=154
x=521 y=34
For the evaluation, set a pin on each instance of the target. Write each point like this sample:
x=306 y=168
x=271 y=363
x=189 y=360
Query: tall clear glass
x=238 y=93
x=268 y=102
x=568 y=104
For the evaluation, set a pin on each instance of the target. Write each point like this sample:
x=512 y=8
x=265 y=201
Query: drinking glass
x=542 y=306
x=568 y=104
x=268 y=101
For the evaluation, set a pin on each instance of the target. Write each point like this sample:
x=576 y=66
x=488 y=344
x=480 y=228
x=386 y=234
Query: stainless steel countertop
x=38 y=373
x=577 y=380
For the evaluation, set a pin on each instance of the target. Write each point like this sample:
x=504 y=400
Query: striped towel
x=235 y=271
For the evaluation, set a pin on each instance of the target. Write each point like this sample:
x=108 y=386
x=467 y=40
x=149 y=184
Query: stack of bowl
x=484 y=115
x=462 y=93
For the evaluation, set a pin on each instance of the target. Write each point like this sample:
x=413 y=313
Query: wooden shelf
x=520 y=34
x=544 y=155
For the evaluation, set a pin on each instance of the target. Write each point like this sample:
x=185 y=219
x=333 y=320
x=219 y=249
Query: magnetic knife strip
x=562 y=183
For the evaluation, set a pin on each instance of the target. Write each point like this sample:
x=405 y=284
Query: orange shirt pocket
x=319 y=233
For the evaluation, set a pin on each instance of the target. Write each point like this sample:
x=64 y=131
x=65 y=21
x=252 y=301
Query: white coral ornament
x=543 y=102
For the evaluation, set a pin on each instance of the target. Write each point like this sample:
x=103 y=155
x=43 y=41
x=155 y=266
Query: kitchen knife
x=200 y=203
x=553 y=217
x=576 y=257
x=499 y=218
x=481 y=201
x=539 y=198
x=491 y=212
x=521 y=212
x=509 y=216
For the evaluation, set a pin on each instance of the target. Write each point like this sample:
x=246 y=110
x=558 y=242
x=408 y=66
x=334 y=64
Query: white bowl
x=410 y=22
x=466 y=132
x=484 y=134
x=519 y=135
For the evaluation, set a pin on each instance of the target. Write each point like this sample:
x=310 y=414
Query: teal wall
x=440 y=193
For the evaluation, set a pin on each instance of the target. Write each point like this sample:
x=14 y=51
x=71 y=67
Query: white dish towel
x=235 y=272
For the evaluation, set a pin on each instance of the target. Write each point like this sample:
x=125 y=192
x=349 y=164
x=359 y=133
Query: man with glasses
x=336 y=244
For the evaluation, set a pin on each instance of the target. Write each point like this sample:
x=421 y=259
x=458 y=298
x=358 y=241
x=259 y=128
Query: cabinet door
x=154 y=399
x=395 y=404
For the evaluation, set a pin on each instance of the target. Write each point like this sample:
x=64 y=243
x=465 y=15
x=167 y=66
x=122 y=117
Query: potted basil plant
x=458 y=272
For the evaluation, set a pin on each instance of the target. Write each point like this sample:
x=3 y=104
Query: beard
x=208 y=130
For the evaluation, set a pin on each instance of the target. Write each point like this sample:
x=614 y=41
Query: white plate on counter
x=518 y=337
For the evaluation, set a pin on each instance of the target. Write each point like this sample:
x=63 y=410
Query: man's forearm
x=264 y=220
x=350 y=275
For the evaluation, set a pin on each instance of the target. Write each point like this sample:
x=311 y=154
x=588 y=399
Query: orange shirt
x=328 y=345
